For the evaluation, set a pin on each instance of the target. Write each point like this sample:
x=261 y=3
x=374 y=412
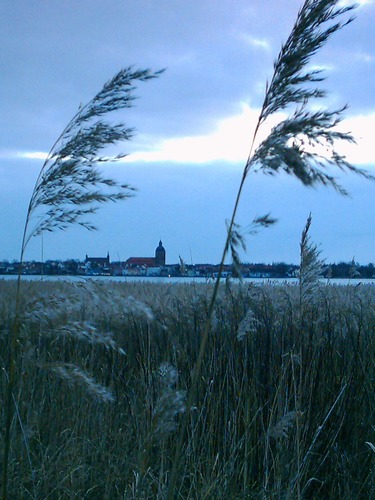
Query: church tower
x=160 y=255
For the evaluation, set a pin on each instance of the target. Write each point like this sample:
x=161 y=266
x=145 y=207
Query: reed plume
x=311 y=266
x=70 y=185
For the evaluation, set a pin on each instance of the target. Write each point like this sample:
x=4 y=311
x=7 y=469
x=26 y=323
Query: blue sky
x=193 y=124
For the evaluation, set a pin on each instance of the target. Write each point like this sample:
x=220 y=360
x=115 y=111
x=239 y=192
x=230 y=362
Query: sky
x=193 y=126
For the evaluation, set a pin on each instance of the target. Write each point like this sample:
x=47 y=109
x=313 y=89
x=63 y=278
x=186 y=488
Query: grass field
x=284 y=406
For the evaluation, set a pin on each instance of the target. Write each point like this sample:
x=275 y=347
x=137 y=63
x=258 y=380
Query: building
x=97 y=265
x=148 y=263
x=134 y=265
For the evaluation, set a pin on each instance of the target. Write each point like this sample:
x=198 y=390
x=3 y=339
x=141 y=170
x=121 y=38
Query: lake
x=159 y=279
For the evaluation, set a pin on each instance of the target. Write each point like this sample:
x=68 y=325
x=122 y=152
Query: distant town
x=157 y=266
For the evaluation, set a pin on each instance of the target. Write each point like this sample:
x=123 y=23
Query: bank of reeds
x=284 y=406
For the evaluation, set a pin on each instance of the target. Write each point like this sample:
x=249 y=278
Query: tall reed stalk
x=293 y=145
x=70 y=187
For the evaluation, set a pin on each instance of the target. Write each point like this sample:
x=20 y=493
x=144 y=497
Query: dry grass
x=272 y=417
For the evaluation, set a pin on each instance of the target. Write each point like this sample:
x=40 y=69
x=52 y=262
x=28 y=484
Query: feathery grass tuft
x=281 y=429
x=75 y=375
x=295 y=144
x=312 y=30
x=311 y=266
x=70 y=186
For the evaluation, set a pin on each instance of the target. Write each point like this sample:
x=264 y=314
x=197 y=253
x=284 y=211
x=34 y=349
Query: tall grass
x=270 y=418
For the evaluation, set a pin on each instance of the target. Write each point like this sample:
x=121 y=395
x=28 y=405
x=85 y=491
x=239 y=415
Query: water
x=159 y=279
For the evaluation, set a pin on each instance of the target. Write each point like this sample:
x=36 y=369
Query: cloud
x=322 y=67
x=361 y=126
x=27 y=155
x=33 y=155
x=361 y=3
x=230 y=142
x=261 y=43
x=364 y=57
